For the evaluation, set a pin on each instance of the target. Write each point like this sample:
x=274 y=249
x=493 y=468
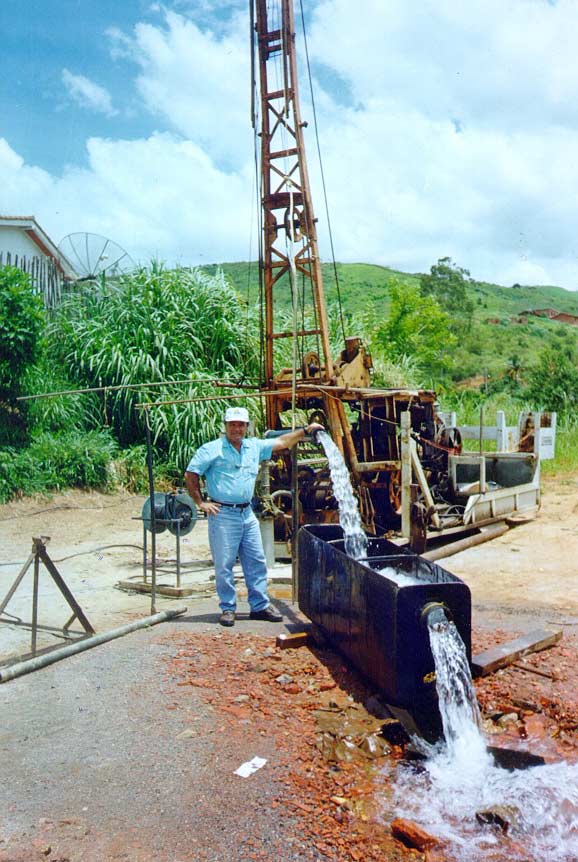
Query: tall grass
x=566 y=450
x=468 y=403
x=65 y=412
x=180 y=324
x=154 y=326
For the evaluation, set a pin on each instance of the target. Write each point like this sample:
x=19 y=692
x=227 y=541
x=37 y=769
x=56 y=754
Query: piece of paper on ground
x=251 y=766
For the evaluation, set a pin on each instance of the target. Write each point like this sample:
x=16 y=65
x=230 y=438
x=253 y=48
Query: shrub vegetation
x=21 y=328
x=53 y=462
x=199 y=327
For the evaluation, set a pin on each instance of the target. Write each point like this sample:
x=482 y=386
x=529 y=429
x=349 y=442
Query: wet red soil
x=328 y=747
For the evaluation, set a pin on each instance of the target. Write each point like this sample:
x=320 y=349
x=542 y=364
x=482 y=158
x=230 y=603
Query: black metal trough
x=378 y=624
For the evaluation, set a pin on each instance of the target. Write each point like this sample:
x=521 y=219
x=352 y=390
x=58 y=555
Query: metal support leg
x=39 y=555
x=144 y=552
x=33 y=637
x=18 y=580
x=295 y=513
x=178 y=535
x=153 y=513
x=60 y=583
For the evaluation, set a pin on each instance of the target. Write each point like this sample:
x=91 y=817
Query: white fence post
x=501 y=432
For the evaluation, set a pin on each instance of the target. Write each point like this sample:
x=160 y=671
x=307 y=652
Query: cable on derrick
x=323 y=185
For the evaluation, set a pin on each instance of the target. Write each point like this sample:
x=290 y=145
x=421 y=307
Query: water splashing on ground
x=349 y=518
x=460 y=779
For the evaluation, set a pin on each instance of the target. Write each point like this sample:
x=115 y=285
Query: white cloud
x=406 y=186
x=458 y=137
x=158 y=197
x=489 y=62
x=87 y=94
x=197 y=82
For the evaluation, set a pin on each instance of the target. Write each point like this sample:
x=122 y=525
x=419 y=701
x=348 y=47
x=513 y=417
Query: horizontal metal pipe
x=40 y=661
x=455 y=547
x=134 y=386
x=375 y=466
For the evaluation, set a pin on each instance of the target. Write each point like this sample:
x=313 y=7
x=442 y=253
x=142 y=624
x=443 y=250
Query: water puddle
x=530 y=814
x=349 y=518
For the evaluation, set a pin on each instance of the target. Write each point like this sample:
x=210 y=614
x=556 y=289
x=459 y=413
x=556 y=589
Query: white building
x=25 y=245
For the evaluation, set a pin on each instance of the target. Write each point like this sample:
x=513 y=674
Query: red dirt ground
x=255 y=687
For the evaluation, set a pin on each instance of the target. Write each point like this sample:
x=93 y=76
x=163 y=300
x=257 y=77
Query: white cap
x=236 y=414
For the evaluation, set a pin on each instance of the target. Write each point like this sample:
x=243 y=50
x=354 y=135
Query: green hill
x=364 y=284
x=359 y=284
x=498 y=340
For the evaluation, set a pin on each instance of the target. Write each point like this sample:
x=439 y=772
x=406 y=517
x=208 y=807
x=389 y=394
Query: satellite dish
x=92 y=255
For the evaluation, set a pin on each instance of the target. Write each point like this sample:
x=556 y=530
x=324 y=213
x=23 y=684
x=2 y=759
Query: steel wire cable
x=322 y=171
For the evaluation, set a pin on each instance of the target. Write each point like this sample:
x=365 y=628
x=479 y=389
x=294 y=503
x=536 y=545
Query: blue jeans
x=235 y=533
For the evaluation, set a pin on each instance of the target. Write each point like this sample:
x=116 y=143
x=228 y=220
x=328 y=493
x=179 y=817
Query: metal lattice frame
x=286 y=198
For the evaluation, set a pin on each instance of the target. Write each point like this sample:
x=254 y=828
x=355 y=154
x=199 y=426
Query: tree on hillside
x=416 y=328
x=448 y=284
x=514 y=368
x=553 y=382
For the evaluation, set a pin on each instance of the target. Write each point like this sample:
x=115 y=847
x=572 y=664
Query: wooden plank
x=162 y=589
x=423 y=483
x=292 y=641
x=505 y=654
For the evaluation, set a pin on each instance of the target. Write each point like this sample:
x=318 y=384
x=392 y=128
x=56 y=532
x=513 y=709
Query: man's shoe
x=269 y=614
x=227 y=618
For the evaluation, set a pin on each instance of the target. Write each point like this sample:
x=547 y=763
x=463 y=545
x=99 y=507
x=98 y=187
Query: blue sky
x=42 y=121
x=447 y=128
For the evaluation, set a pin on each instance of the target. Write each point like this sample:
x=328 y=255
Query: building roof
x=41 y=239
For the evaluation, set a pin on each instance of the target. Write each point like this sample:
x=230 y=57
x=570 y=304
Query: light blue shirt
x=230 y=475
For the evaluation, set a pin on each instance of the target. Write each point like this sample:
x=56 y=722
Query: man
x=230 y=466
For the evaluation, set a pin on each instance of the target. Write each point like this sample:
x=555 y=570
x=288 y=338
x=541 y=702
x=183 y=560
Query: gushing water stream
x=349 y=518
x=461 y=779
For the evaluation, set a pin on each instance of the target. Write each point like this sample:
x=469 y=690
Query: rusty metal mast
x=288 y=217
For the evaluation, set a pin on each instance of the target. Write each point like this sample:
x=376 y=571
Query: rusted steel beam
x=276 y=94
x=377 y=466
x=288 y=209
x=283 y=154
x=282 y=200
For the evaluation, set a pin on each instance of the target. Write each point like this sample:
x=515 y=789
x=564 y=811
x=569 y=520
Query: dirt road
x=531 y=571
x=128 y=751
x=528 y=573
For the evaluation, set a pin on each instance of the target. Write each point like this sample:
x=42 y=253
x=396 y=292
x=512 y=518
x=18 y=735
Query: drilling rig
x=363 y=421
